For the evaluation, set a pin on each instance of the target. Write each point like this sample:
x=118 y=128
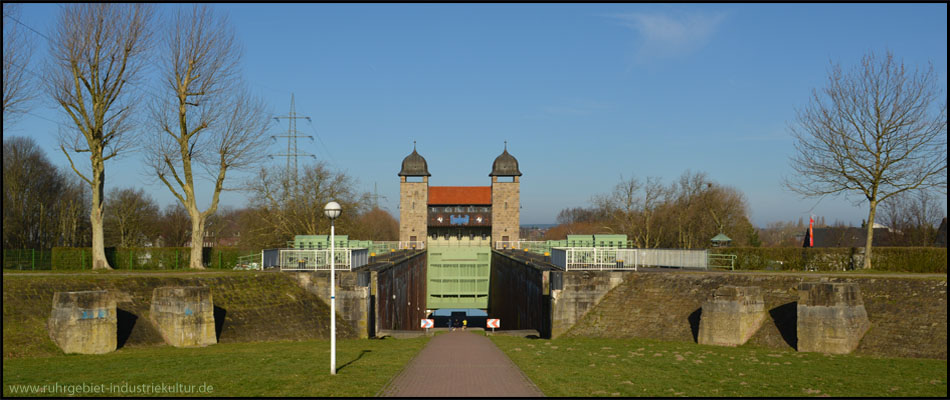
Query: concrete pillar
x=831 y=317
x=184 y=315
x=732 y=316
x=83 y=322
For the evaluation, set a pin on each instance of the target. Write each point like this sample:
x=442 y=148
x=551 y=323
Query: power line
x=325 y=148
x=28 y=27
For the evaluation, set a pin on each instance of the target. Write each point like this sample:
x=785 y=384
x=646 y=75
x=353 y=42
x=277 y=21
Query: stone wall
x=248 y=306
x=413 y=209
x=505 y=210
x=580 y=292
x=908 y=316
x=352 y=299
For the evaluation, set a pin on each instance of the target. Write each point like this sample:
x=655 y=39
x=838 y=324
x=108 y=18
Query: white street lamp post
x=332 y=210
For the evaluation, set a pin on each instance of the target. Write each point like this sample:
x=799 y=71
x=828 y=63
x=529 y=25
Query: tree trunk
x=197 y=238
x=870 y=235
x=95 y=217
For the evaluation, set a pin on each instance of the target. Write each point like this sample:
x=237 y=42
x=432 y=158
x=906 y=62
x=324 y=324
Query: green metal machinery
x=458 y=277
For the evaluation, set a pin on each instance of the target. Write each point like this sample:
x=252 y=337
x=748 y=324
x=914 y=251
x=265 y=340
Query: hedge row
x=896 y=259
x=138 y=258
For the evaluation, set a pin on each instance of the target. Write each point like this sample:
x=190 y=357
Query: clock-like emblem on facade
x=439 y=219
x=478 y=219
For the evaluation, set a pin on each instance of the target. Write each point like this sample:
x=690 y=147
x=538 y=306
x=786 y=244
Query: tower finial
x=413 y=145
x=506 y=145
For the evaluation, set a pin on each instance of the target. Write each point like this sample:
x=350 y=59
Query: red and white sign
x=494 y=323
x=428 y=323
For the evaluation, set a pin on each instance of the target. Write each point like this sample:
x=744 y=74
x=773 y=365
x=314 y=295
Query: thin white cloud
x=665 y=36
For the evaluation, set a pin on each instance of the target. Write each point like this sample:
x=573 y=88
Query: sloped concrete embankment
x=908 y=316
x=251 y=306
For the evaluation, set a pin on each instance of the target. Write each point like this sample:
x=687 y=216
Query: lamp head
x=332 y=210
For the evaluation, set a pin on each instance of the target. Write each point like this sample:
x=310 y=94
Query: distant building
x=454 y=215
x=942 y=234
x=848 y=237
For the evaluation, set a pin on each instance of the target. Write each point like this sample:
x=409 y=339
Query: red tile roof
x=460 y=195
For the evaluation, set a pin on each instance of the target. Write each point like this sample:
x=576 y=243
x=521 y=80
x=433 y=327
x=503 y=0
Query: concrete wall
x=184 y=315
x=352 y=300
x=908 y=316
x=831 y=317
x=83 y=322
x=731 y=316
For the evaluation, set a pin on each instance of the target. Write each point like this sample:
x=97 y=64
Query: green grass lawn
x=232 y=369
x=641 y=367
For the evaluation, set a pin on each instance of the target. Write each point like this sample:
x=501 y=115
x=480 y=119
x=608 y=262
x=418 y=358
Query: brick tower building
x=459 y=215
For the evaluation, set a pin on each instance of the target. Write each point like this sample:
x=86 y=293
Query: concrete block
x=732 y=316
x=83 y=322
x=831 y=317
x=184 y=315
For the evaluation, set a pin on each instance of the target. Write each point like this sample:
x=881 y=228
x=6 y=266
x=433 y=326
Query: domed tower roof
x=414 y=164
x=505 y=165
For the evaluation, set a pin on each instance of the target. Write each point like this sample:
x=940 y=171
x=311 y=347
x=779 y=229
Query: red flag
x=811 y=232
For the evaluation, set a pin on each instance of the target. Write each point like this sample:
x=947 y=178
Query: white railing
x=599 y=258
x=594 y=258
x=316 y=260
x=673 y=258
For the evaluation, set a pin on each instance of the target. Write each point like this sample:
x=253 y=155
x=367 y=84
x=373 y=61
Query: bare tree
x=96 y=51
x=174 y=228
x=282 y=211
x=206 y=119
x=17 y=51
x=41 y=204
x=877 y=131
x=131 y=217
x=913 y=217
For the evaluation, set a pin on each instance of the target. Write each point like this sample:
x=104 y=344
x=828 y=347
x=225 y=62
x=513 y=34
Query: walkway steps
x=461 y=364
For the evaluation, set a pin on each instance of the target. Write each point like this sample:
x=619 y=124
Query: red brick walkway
x=461 y=364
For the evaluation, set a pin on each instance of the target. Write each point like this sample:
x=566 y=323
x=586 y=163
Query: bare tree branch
x=95 y=50
x=205 y=118
x=877 y=131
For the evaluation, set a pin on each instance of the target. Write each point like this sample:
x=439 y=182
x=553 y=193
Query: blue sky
x=583 y=93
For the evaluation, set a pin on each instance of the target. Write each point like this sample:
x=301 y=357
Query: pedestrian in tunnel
x=464 y=324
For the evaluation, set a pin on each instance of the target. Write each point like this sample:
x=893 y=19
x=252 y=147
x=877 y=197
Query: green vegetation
x=231 y=369
x=641 y=367
x=132 y=258
x=886 y=259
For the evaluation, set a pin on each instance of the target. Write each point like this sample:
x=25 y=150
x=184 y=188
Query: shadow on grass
x=353 y=360
x=785 y=317
x=125 y=321
x=694 y=323
x=219 y=315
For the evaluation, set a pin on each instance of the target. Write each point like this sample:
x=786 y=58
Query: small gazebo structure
x=721 y=240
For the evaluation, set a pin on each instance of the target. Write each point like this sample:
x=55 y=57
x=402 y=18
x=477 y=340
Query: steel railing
x=723 y=261
x=600 y=258
x=315 y=260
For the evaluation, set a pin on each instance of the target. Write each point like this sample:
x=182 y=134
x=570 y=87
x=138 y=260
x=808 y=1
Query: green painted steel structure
x=457 y=277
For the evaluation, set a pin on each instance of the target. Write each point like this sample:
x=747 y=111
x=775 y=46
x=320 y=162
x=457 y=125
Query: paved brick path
x=461 y=364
